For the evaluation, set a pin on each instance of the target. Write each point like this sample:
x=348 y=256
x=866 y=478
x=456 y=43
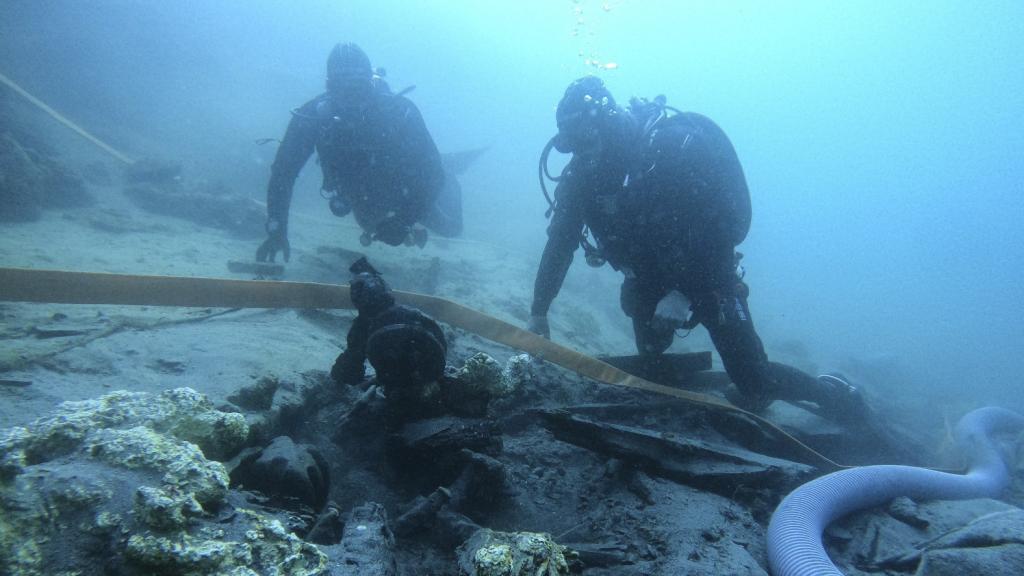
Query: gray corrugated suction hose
x=794 y=533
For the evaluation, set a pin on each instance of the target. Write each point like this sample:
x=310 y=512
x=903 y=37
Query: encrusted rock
x=117 y=484
x=192 y=417
x=519 y=371
x=181 y=463
x=268 y=548
x=481 y=373
x=180 y=554
x=12 y=453
x=183 y=413
x=490 y=553
x=165 y=509
x=367 y=543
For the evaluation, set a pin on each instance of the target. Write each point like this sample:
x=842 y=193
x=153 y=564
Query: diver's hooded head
x=369 y=293
x=349 y=72
x=587 y=117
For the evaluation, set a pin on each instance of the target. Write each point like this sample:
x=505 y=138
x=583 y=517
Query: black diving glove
x=391 y=231
x=277 y=241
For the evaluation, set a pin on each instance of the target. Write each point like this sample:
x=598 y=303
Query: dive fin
x=459 y=162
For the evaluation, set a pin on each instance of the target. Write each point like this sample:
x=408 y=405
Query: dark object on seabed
x=601 y=555
x=422 y=513
x=348 y=257
x=263 y=269
x=31 y=182
x=666 y=369
x=328 y=528
x=212 y=205
x=723 y=469
x=448 y=435
x=367 y=544
x=153 y=171
x=47 y=332
x=286 y=472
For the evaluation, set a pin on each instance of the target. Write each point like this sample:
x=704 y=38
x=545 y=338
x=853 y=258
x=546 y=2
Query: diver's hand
x=271 y=246
x=539 y=325
x=391 y=231
x=672 y=312
x=277 y=241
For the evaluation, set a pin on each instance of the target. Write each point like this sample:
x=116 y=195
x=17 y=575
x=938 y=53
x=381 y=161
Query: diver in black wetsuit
x=663 y=196
x=410 y=393
x=406 y=347
x=377 y=157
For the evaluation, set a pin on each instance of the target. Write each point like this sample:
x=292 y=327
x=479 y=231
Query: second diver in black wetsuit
x=379 y=162
x=664 y=200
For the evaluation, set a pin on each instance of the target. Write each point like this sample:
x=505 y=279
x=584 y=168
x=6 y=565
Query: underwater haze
x=882 y=141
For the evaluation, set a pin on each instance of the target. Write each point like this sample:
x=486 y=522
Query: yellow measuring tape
x=58 y=286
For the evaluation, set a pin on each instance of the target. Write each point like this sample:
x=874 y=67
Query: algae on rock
x=483 y=374
x=267 y=548
x=491 y=553
x=182 y=413
x=120 y=483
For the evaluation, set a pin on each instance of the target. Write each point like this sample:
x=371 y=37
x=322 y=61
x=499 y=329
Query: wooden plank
x=718 y=468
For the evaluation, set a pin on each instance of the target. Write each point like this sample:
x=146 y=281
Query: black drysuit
x=667 y=208
x=399 y=363
x=407 y=350
x=377 y=156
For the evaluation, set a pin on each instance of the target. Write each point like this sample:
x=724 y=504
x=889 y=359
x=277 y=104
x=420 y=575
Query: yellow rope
x=63 y=120
x=59 y=286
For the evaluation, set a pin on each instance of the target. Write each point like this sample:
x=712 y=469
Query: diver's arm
x=350 y=367
x=296 y=148
x=563 y=239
